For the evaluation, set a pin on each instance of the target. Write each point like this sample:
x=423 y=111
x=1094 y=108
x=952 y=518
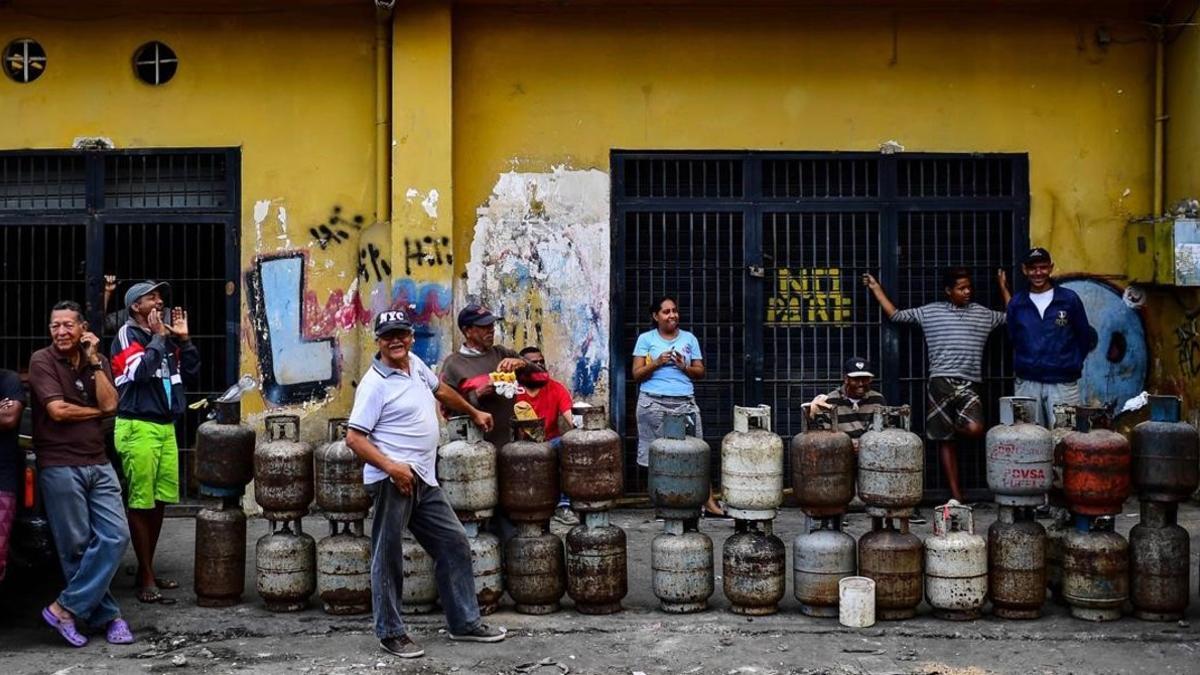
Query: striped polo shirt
x=854 y=416
x=954 y=336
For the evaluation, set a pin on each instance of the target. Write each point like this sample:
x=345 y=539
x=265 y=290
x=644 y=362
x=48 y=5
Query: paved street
x=186 y=639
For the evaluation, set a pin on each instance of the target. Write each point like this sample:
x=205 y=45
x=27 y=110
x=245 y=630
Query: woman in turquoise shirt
x=666 y=361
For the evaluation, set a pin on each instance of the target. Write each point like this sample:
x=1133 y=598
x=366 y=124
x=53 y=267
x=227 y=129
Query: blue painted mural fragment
x=1116 y=370
x=295 y=368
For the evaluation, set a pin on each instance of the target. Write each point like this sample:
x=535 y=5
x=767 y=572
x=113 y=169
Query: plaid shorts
x=952 y=403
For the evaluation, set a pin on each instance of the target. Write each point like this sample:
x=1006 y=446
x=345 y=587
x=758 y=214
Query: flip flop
x=65 y=628
x=118 y=632
x=151 y=596
x=166 y=583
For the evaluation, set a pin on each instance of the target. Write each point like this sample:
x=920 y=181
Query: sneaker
x=481 y=633
x=565 y=516
x=402 y=646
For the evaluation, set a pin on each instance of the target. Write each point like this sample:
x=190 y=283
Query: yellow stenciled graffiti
x=808 y=295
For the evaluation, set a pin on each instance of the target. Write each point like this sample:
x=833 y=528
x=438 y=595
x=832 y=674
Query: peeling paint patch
x=539 y=258
x=430 y=203
x=411 y=194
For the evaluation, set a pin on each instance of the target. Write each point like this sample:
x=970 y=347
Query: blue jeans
x=428 y=515
x=87 y=520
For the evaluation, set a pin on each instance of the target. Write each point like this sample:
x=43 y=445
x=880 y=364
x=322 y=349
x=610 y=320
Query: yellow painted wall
x=536 y=88
x=293 y=88
x=1173 y=327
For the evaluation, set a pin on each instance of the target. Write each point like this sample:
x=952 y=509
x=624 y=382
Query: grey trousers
x=427 y=514
x=1047 y=396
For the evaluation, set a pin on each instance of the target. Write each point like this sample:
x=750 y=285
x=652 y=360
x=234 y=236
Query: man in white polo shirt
x=394 y=429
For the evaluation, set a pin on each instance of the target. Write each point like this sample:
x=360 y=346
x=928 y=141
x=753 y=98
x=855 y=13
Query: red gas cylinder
x=1096 y=465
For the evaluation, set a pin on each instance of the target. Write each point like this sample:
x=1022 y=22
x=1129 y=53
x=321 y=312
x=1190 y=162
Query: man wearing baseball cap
x=394 y=429
x=152 y=354
x=1050 y=335
x=855 y=401
x=468 y=370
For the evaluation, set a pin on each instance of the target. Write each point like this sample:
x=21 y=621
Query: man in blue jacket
x=1051 y=337
x=151 y=355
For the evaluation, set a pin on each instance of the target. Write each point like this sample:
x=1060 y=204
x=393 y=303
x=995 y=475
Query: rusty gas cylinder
x=224 y=452
x=1056 y=537
x=283 y=470
x=892 y=556
x=466 y=470
x=1020 y=455
x=679 y=471
x=754 y=576
x=1166 y=453
x=1095 y=569
x=1017 y=564
x=486 y=567
x=528 y=474
x=823 y=466
x=682 y=564
x=1064 y=425
x=1096 y=465
x=752 y=465
x=339 y=477
x=593 y=466
x=535 y=569
x=821 y=558
x=891 y=465
x=344 y=569
x=220 y=555
x=956 y=572
x=286 y=563
x=597 y=577
x=420 y=593
x=1159 y=551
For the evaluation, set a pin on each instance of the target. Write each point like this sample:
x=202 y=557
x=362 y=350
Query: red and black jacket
x=144 y=366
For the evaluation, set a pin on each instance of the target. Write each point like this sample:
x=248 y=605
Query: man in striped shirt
x=956 y=332
x=855 y=401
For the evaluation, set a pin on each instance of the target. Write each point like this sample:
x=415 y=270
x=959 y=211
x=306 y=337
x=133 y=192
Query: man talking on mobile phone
x=151 y=355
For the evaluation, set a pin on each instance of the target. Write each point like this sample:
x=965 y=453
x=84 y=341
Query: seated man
x=855 y=401
x=551 y=402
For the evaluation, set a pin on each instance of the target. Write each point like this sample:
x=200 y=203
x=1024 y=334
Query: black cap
x=1037 y=254
x=857 y=366
x=475 y=314
x=390 y=320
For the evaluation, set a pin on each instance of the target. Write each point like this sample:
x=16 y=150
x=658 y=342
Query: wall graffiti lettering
x=370 y=259
x=808 y=296
x=324 y=236
x=295 y=367
x=427 y=303
x=427 y=251
x=1187 y=348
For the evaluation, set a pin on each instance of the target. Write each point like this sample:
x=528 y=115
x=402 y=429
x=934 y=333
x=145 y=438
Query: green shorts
x=150 y=460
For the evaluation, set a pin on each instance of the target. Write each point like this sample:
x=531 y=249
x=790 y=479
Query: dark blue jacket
x=1050 y=348
x=144 y=365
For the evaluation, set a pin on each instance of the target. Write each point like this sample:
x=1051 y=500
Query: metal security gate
x=67 y=218
x=765 y=252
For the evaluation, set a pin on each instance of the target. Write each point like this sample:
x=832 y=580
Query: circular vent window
x=24 y=60
x=155 y=63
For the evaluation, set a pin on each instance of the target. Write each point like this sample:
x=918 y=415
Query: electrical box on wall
x=1164 y=251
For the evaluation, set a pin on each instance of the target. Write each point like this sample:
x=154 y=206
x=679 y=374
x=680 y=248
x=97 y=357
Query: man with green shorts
x=151 y=355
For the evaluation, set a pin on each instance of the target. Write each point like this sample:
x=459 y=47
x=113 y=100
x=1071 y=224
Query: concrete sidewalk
x=247 y=638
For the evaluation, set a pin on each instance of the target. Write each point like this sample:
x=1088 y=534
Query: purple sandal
x=65 y=628
x=119 y=633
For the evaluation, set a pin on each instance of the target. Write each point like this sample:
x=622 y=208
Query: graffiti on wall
x=539 y=258
x=808 y=296
x=1187 y=347
x=1116 y=370
x=296 y=367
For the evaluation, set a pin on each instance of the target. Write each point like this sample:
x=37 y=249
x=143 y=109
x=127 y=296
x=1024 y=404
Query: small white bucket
x=856 y=602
